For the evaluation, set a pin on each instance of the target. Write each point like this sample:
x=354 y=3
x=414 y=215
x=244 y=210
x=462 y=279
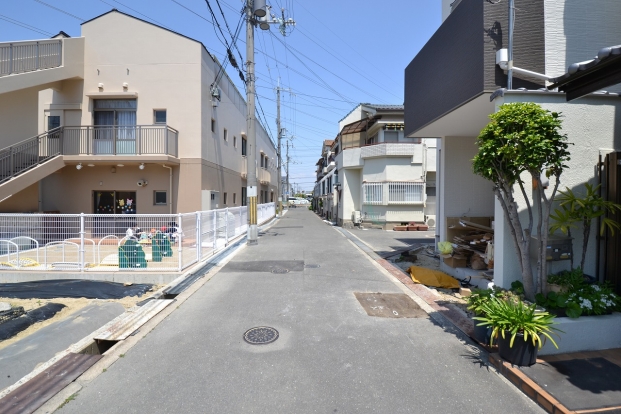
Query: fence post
x=82 y=232
x=179 y=241
x=226 y=226
x=37 y=63
x=199 y=243
x=10 y=58
x=215 y=231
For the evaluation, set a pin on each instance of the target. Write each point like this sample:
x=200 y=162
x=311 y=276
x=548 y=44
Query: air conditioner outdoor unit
x=356 y=217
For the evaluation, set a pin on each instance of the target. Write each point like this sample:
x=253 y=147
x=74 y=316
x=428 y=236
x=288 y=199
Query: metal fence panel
x=125 y=242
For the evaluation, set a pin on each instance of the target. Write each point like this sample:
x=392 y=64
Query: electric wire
x=25 y=25
x=59 y=10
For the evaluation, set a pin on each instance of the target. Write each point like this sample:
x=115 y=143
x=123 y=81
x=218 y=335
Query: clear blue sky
x=340 y=53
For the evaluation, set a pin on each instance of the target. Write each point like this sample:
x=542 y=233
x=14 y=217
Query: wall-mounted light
x=79 y=166
x=120 y=165
x=141 y=166
x=90 y=165
x=125 y=85
x=100 y=85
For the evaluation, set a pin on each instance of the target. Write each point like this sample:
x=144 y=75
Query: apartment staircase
x=29 y=161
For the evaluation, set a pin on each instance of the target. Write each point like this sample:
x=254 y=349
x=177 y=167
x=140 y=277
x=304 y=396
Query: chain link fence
x=120 y=242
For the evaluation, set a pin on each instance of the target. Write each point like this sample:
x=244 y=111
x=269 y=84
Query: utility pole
x=280 y=131
x=259 y=9
x=288 y=188
x=510 y=51
x=279 y=159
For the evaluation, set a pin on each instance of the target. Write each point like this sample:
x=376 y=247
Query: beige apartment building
x=124 y=119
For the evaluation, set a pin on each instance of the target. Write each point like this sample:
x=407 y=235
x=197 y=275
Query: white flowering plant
x=594 y=300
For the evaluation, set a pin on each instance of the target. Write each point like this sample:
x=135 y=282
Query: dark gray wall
x=458 y=63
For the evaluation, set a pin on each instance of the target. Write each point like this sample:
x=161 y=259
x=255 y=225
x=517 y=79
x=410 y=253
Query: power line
x=25 y=25
x=59 y=10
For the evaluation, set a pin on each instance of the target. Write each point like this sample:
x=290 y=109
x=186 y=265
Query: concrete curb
x=442 y=314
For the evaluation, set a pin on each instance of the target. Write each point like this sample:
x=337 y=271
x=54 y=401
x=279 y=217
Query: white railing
x=406 y=192
x=391 y=149
x=21 y=57
x=124 y=242
x=385 y=193
x=373 y=193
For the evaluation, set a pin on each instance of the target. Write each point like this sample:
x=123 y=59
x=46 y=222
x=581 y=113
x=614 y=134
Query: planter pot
x=482 y=333
x=523 y=353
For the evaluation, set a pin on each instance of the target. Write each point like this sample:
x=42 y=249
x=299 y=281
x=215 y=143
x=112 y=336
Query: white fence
x=121 y=242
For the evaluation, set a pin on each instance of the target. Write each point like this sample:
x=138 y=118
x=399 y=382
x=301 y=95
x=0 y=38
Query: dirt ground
x=426 y=258
x=71 y=305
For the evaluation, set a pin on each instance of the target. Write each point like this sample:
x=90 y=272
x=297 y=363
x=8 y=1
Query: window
x=234 y=141
x=266 y=162
x=159 y=198
x=114 y=202
x=272 y=197
x=225 y=198
x=244 y=145
x=53 y=122
x=391 y=136
x=213 y=125
x=159 y=116
x=226 y=135
x=234 y=198
x=405 y=192
x=244 y=198
x=373 y=193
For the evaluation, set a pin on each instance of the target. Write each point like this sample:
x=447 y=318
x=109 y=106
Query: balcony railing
x=87 y=140
x=21 y=57
x=387 y=149
x=119 y=140
x=243 y=168
x=264 y=176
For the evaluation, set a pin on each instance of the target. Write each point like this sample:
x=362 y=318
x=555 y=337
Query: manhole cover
x=311 y=266
x=261 y=335
x=280 y=271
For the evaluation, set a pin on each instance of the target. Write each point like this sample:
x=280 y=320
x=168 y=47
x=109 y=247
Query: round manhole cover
x=261 y=335
x=312 y=266
x=280 y=270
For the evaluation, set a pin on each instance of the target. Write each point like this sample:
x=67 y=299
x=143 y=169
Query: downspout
x=170 y=177
x=598 y=238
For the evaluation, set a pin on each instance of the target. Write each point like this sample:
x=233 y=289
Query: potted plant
x=575 y=209
x=520 y=329
x=475 y=304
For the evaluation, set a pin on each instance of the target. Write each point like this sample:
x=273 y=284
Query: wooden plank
x=37 y=391
x=133 y=319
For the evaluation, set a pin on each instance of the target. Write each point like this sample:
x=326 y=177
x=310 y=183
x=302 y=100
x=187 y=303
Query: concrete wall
x=593 y=127
x=70 y=190
x=576 y=30
x=18 y=116
x=26 y=200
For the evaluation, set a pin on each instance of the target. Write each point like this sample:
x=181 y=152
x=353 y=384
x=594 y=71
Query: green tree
x=524 y=139
x=575 y=209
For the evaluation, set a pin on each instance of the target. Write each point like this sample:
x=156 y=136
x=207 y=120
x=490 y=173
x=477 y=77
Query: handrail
x=30 y=56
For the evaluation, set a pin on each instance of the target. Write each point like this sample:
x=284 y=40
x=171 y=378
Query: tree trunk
x=586 y=232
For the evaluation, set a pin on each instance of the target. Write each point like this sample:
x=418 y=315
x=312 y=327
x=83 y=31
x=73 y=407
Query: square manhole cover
x=390 y=305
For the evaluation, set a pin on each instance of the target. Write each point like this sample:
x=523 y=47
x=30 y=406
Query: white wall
x=462 y=192
x=593 y=127
x=575 y=30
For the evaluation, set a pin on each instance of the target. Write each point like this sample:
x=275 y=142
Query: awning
x=359 y=126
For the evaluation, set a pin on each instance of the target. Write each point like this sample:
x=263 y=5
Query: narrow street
x=330 y=356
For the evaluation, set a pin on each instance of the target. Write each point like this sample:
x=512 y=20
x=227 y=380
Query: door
x=115 y=126
x=103 y=139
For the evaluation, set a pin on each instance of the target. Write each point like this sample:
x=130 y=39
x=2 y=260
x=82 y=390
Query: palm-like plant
x=575 y=209
x=517 y=318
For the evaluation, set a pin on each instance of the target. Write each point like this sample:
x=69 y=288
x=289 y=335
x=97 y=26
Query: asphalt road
x=330 y=356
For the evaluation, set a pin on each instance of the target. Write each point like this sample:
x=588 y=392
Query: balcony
x=243 y=168
x=264 y=176
x=393 y=149
x=331 y=165
x=115 y=140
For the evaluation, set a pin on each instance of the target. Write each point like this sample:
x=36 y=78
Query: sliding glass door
x=114 y=126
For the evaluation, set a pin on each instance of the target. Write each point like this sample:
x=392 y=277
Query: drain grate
x=261 y=335
x=280 y=271
x=312 y=266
